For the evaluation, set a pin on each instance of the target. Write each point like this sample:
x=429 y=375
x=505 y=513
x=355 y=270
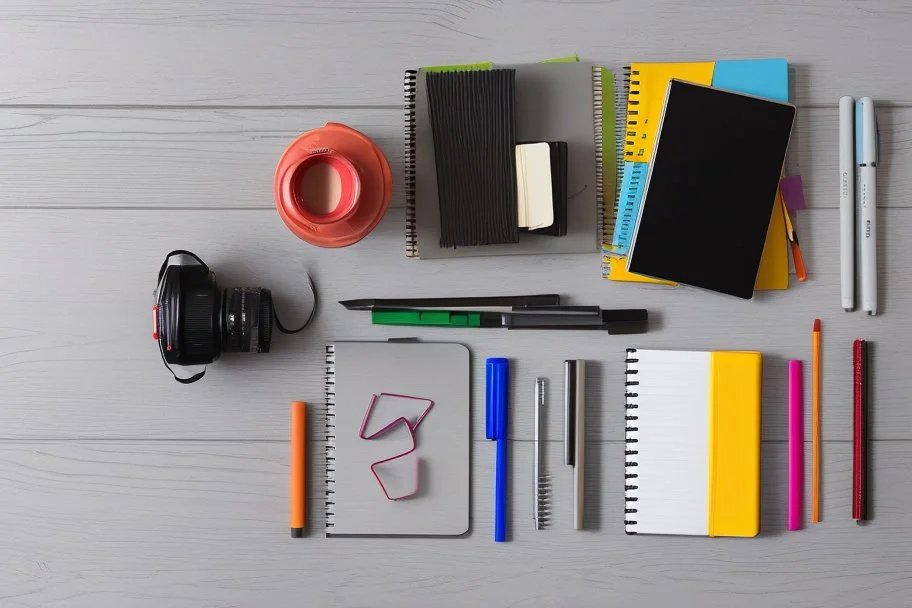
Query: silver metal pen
x=541 y=483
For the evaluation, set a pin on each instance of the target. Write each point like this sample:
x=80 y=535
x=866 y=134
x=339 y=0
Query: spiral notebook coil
x=411 y=235
x=598 y=125
x=632 y=119
x=329 y=393
x=631 y=440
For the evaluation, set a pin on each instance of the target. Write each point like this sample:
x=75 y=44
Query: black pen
x=463 y=302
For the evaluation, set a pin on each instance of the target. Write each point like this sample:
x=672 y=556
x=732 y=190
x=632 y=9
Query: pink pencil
x=796 y=446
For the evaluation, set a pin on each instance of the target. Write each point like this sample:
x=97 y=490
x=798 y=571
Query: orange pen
x=298 y=448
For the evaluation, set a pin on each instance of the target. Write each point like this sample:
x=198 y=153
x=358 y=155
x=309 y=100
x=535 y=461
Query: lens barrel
x=247 y=318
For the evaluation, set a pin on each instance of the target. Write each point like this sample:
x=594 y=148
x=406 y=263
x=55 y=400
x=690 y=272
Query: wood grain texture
x=77 y=359
x=165 y=159
x=157 y=158
x=353 y=53
x=183 y=524
x=130 y=128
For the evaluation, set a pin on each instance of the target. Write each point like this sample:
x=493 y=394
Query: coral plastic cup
x=332 y=186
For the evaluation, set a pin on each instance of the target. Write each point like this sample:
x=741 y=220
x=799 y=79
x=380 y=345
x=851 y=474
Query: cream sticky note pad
x=534 y=197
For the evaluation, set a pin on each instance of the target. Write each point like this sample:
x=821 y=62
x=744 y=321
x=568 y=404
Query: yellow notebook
x=693 y=443
x=774 y=265
x=645 y=102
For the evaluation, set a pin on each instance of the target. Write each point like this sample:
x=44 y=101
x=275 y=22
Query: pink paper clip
x=411 y=427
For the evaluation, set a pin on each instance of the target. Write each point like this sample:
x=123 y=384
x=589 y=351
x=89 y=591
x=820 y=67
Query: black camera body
x=195 y=321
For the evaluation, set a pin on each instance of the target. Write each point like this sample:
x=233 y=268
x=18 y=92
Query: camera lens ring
x=247 y=320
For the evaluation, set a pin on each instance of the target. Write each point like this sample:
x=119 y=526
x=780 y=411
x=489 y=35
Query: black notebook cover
x=710 y=189
x=473 y=125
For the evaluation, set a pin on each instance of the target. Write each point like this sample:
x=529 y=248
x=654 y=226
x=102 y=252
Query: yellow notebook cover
x=648 y=85
x=774 y=265
x=734 y=438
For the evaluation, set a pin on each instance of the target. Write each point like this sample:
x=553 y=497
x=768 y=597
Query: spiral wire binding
x=631 y=441
x=622 y=92
x=633 y=111
x=622 y=86
x=411 y=235
x=598 y=122
x=627 y=110
x=329 y=391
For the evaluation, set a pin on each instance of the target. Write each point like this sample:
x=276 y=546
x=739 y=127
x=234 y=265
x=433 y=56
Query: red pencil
x=860 y=451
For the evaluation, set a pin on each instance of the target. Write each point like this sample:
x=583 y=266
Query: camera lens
x=247 y=320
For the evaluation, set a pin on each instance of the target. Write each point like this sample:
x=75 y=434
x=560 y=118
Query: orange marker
x=298 y=447
x=815 y=513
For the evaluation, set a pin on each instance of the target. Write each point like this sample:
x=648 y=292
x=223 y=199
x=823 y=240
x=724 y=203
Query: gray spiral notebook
x=370 y=388
x=553 y=102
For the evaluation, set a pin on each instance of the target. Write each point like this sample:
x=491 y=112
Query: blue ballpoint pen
x=497 y=378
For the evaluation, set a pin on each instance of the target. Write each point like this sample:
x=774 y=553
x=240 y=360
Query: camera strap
x=189 y=380
x=313 y=311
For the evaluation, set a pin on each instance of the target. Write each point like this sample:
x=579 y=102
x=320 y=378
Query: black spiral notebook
x=711 y=187
x=553 y=102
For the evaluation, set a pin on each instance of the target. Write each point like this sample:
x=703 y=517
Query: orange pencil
x=800 y=269
x=815 y=514
x=298 y=447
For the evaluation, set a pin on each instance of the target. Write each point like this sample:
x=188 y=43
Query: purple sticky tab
x=792 y=192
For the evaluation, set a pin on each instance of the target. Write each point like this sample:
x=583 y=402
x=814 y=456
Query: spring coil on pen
x=541 y=495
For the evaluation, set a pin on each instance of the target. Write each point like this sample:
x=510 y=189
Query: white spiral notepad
x=693 y=443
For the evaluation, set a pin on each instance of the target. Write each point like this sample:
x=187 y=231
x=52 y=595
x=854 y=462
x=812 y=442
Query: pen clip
x=496 y=378
x=570 y=412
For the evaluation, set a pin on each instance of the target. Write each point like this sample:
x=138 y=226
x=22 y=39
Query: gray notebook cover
x=435 y=371
x=554 y=102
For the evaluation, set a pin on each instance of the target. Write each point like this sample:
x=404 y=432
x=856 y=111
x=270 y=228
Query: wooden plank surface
x=161 y=158
x=201 y=158
x=130 y=128
x=263 y=52
x=77 y=359
x=202 y=524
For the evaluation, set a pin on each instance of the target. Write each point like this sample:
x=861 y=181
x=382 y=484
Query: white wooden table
x=131 y=128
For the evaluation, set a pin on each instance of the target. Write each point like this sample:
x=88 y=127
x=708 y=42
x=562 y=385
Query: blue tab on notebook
x=761 y=77
x=632 y=183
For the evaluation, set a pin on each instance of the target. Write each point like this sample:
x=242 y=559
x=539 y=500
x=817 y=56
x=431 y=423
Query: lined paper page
x=673 y=442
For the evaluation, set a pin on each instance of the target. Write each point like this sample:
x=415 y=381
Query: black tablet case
x=711 y=187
